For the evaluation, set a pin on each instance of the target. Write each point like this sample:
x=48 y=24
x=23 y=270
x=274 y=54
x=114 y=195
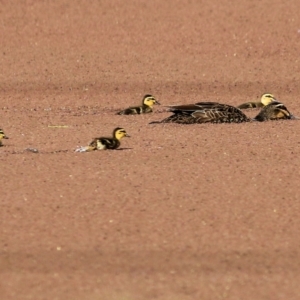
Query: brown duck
x=213 y=112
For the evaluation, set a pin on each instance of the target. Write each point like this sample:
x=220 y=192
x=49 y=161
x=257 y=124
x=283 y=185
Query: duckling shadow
x=121 y=149
x=36 y=151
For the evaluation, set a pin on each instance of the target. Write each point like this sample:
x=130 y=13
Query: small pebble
x=34 y=150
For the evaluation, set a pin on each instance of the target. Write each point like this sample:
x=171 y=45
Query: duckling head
x=120 y=133
x=149 y=100
x=267 y=99
x=2 y=135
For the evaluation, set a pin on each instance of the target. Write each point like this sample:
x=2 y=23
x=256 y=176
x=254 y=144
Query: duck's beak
x=127 y=135
x=156 y=102
x=6 y=137
x=294 y=118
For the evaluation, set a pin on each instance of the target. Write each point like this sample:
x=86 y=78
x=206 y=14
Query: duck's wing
x=219 y=113
x=192 y=107
x=203 y=112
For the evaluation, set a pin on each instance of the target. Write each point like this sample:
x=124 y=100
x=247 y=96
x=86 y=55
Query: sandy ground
x=180 y=212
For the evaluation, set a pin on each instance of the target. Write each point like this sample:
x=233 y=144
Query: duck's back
x=206 y=112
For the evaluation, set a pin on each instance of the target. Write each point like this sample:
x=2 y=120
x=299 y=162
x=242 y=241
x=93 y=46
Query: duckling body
x=264 y=100
x=274 y=111
x=248 y=105
x=145 y=108
x=2 y=136
x=205 y=112
x=104 y=143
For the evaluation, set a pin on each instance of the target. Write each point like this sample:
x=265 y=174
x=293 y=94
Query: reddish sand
x=183 y=212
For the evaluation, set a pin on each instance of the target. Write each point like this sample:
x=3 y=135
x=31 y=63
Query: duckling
x=146 y=107
x=2 y=136
x=205 y=112
x=103 y=143
x=274 y=111
x=264 y=100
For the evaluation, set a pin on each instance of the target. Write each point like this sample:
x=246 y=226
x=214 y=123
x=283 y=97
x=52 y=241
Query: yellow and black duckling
x=275 y=110
x=205 y=112
x=145 y=108
x=264 y=100
x=103 y=143
x=2 y=136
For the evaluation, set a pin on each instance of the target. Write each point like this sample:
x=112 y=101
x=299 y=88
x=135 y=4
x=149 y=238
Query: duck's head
x=2 y=135
x=149 y=100
x=267 y=99
x=120 y=133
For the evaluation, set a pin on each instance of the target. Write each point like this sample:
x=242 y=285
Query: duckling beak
x=294 y=118
x=6 y=137
x=127 y=135
x=156 y=102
